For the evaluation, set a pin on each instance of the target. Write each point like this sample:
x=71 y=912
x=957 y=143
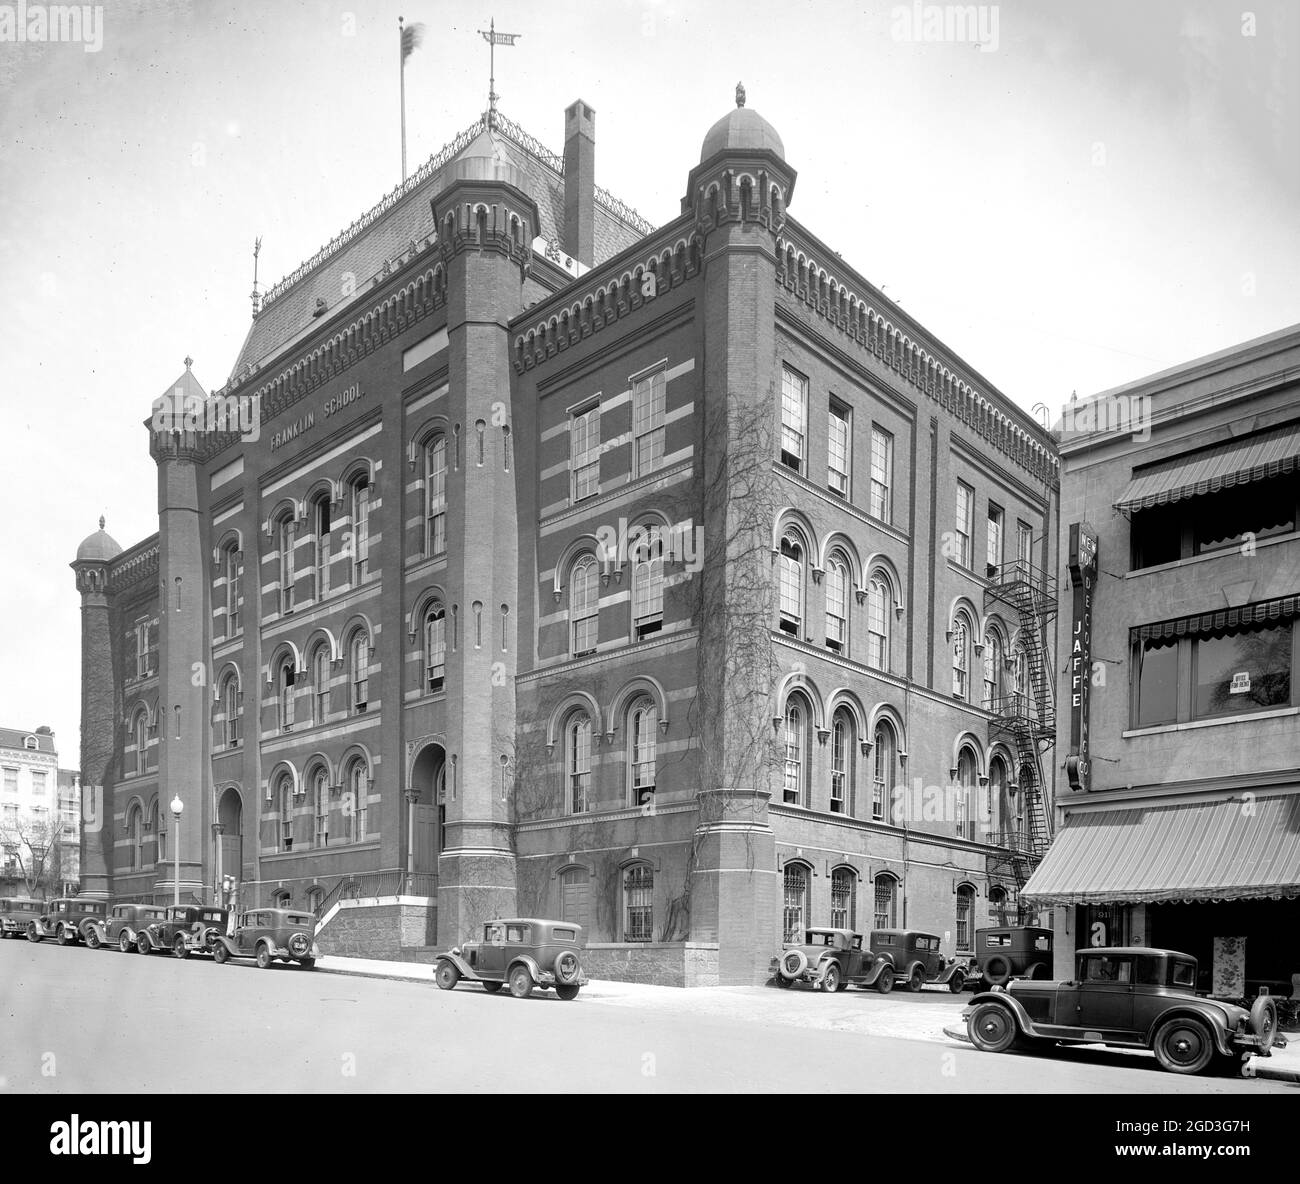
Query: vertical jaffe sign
x=1083 y=579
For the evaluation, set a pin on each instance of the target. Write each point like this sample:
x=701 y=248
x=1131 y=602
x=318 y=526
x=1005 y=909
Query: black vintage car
x=66 y=919
x=267 y=935
x=523 y=953
x=16 y=912
x=1012 y=951
x=916 y=959
x=831 y=959
x=184 y=930
x=122 y=924
x=1129 y=997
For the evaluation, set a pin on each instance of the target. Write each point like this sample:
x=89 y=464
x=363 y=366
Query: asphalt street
x=76 y=1020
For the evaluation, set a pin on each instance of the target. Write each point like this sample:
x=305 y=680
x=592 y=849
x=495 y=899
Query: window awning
x=1234 y=462
x=1242 y=848
x=1215 y=623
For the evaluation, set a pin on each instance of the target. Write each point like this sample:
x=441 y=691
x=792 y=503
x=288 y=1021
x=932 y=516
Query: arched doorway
x=428 y=809
x=230 y=814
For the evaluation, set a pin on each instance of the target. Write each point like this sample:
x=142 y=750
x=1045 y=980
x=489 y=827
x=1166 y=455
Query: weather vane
x=493 y=38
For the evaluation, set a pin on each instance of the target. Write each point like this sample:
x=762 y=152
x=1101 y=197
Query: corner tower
x=486 y=225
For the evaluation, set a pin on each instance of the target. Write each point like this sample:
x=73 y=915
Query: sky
x=1070 y=196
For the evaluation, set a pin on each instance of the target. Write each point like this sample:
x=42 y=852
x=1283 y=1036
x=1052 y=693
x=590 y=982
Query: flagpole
x=401 y=66
x=492 y=67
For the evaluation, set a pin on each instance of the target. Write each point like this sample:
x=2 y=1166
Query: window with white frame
x=287 y=529
x=993 y=559
x=965 y=911
x=435 y=647
x=230 y=710
x=1024 y=547
x=643 y=740
x=584 y=453
x=844 y=891
x=584 y=606
x=838 y=451
x=648 y=583
x=143 y=666
x=359 y=672
x=135 y=836
x=961 y=644
x=319 y=665
x=992 y=658
x=837 y=603
x=321 y=525
x=884 y=752
x=230 y=567
x=435 y=496
x=141 y=742
x=885 y=901
x=879 y=603
x=638 y=903
x=10 y=779
x=882 y=474
x=284 y=807
x=965 y=522
x=794 y=912
x=284 y=690
x=794 y=404
x=789 y=577
x=577 y=763
x=996 y=795
x=798 y=717
x=320 y=804
x=842 y=740
x=358 y=793
x=360 y=529
x=648 y=400
x=967 y=776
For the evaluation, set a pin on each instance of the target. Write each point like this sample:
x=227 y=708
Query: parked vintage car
x=268 y=934
x=831 y=959
x=917 y=960
x=524 y=952
x=65 y=919
x=122 y=925
x=1129 y=997
x=184 y=929
x=16 y=912
x=1011 y=951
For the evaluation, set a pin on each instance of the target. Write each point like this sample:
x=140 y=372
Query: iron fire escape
x=1025 y=716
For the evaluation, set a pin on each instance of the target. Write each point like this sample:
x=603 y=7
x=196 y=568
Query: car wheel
x=446 y=976
x=92 y=938
x=124 y=943
x=142 y=944
x=997 y=970
x=885 y=983
x=179 y=948
x=992 y=1028
x=1263 y=1020
x=917 y=981
x=957 y=983
x=264 y=958
x=567 y=991
x=63 y=935
x=220 y=955
x=492 y=987
x=521 y=982
x=33 y=934
x=1184 y=1045
x=832 y=978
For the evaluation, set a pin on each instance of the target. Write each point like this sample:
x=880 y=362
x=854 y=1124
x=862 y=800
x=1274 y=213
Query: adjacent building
x=40 y=816
x=672 y=581
x=1180 y=818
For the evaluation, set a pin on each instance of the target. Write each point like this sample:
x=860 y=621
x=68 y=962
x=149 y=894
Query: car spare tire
x=793 y=963
x=299 y=945
x=567 y=967
x=997 y=970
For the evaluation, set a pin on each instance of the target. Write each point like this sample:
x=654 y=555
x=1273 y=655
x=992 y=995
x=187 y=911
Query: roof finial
x=189 y=361
x=740 y=94
x=101 y=522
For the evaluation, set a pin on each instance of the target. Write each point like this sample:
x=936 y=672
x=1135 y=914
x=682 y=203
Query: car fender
x=1207 y=1012
x=906 y=976
x=229 y=943
x=872 y=972
x=152 y=936
x=462 y=967
x=528 y=960
x=98 y=926
x=956 y=967
x=1007 y=1000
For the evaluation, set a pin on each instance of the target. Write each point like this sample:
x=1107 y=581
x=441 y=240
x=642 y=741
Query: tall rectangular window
x=994 y=549
x=435 y=494
x=322 y=547
x=965 y=522
x=287 y=535
x=1156 y=683
x=584 y=453
x=794 y=401
x=838 y=451
x=648 y=398
x=882 y=473
x=1024 y=546
x=360 y=531
x=142 y=650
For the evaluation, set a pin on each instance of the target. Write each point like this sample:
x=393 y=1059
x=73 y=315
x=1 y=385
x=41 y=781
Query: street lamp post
x=177 y=807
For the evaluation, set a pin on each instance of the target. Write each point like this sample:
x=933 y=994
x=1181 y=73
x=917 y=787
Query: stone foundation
x=665 y=964
x=399 y=929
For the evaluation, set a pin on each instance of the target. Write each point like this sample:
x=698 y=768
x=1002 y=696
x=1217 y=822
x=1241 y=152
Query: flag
x=412 y=39
x=492 y=37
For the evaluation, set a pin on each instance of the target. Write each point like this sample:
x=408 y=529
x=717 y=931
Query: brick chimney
x=580 y=182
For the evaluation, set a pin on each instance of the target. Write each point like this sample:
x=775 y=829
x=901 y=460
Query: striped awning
x=1234 y=462
x=1241 y=848
x=1219 y=622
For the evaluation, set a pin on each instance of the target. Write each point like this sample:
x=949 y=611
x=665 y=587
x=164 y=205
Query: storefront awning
x=1241 y=848
x=1234 y=462
x=1221 y=621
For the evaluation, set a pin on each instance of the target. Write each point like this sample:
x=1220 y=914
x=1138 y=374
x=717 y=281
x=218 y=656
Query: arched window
x=577 y=763
x=642 y=735
x=1020 y=681
x=320 y=682
x=320 y=804
x=435 y=647
x=575 y=896
x=286 y=529
x=283 y=798
x=230 y=710
x=283 y=899
x=794 y=913
x=284 y=676
x=648 y=582
x=1025 y=785
x=884 y=750
x=837 y=604
x=230 y=569
x=997 y=811
x=998 y=905
x=798 y=716
x=961 y=656
x=790 y=584
x=359 y=670
x=584 y=606
x=967 y=775
x=965 y=913
x=844 y=898
x=885 y=901
x=843 y=740
x=360 y=495
x=638 y=902
x=435 y=496
x=135 y=833
x=357 y=791
x=993 y=651
x=320 y=514
x=141 y=731
x=584 y=453
x=153 y=832
x=880 y=600
x=315 y=898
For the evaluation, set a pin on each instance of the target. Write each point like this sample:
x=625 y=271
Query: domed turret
x=99 y=547
x=743 y=129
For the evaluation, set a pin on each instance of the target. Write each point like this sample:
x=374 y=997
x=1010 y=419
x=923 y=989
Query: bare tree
x=35 y=843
